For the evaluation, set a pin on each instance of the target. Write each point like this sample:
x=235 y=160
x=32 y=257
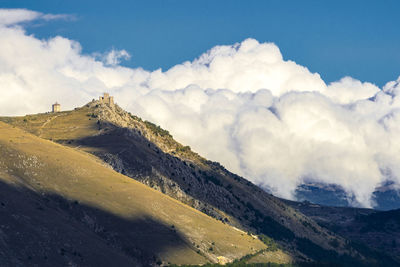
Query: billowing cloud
x=242 y=67
x=349 y=90
x=268 y=119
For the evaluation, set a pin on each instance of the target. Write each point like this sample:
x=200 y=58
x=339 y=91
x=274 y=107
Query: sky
x=334 y=38
x=282 y=95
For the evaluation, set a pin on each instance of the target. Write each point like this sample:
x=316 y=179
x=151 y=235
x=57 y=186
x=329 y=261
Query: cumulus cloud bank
x=268 y=119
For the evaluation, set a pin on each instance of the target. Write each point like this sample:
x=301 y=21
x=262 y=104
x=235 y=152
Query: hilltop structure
x=56 y=107
x=107 y=99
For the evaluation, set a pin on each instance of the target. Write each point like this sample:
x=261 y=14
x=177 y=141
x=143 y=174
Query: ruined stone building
x=56 y=107
x=107 y=99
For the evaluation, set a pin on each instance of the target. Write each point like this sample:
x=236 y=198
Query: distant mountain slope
x=149 y=154
x=379 y=230
x=62 y=206
x=386 y=196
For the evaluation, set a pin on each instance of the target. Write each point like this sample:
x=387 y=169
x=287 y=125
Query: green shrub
x=136 y=118
x=271 y=244
x=183 y=149
x=157 y=129
x=91 y=115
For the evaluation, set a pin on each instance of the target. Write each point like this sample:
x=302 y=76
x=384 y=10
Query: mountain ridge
x=144 y=151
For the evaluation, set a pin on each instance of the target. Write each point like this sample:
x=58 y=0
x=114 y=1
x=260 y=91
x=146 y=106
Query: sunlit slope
x=65 y=125
x=149 y=154
x=49 y=169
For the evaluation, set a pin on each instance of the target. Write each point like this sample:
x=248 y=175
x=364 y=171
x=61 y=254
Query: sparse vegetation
x=157 y=129
x=136 y=118
x=92 y=115
x=242 y=263
x=183 y=149
x=271 y=244
x=270 y=227
x=212 y=178
x=309 y=225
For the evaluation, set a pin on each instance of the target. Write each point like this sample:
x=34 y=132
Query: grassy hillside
x=67 y=206
x=149 y=154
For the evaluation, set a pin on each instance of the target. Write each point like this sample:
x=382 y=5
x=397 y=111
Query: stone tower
x=107 y=99
x=56 y=107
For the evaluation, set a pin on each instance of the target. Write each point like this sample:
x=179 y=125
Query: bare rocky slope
x=149 y=154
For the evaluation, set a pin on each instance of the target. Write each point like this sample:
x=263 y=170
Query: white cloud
x=349 y=90
x=14 y=16
x=114 y=57
x=246 y=66
x=268 y=119
x=48 y=17
x=10 y=17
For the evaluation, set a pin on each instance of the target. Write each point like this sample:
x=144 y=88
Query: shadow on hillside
x=131 y=154
x=49 y=230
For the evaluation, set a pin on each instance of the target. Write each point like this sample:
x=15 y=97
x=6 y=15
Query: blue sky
x=333 y=38
x=269 y=108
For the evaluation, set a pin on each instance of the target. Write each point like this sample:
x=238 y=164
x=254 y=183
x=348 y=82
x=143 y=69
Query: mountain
x=149 y=154
x=61 y=206
x=145 y=152
x=385 y=196
x=366 y=228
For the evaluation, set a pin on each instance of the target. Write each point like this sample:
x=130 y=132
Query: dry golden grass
x=44 y=166
x=67 y=125
x=271 y=256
